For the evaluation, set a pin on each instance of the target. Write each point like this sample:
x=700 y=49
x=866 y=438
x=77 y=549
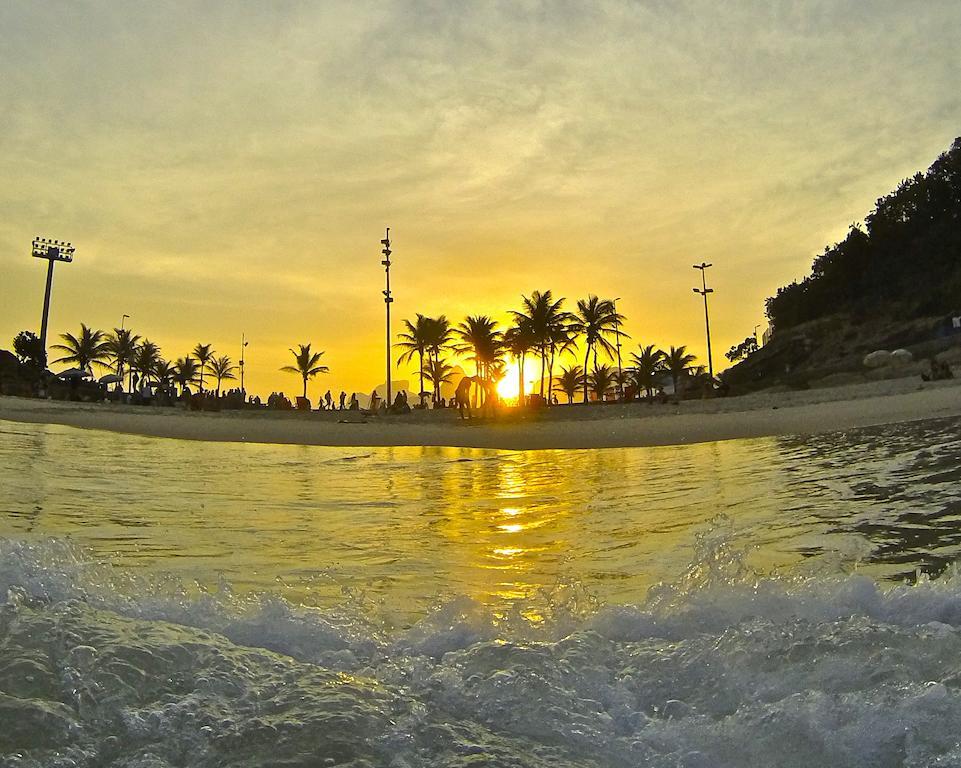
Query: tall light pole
x=617 y=339
x=704 y=291
x=243 y=346
x=123 y=320
x=52 y=251
x=388 y=300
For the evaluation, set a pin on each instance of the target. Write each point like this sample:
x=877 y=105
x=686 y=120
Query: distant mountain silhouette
x=903 y=263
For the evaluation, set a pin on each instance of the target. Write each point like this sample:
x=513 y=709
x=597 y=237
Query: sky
x=229 y=168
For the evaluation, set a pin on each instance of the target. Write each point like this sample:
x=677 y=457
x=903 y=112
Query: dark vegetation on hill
x=905 y=262
x=894 y=282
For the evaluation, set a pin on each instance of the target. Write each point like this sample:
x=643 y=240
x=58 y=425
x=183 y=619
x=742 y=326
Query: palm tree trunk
x=305 y=387
x=543 y=361
x=420 y=354
x=587 y=357
x=520 y=381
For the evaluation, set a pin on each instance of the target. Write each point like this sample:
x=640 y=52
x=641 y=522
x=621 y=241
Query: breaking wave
x=722 y=667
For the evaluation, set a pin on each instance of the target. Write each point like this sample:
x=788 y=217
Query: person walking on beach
x=328 y=401
x=374 y=401
x=343 y=397
x=354 y=405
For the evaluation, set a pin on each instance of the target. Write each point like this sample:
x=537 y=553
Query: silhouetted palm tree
x=545 y=320
x=479 y=335
x=438 y=372
x=596 y=319
x=570 y=380
x=648 y=365
x=222 y=368
x=204 y=354
x=145 y=360
x=519 y=340
x=306 y=364
x=121 y=347
x=186 y=371
x=85 y=350
x=416 y=340
x=677 y=362
x=164 y=373
x=601 y=380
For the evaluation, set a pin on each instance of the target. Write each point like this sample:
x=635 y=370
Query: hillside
x=894 y=282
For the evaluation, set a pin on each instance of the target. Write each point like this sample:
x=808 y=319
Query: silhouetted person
x=374 y=401
x=343 y=397
x=354 y=405
x=328 y=401
x=462 y=396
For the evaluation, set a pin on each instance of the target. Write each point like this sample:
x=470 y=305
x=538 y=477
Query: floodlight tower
x=617 y=336
x=388 y=300
x=704 y=291
x=243 y=347
x=53 y=251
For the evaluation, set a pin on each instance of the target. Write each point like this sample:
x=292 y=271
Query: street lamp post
x=617 y=340
x=704 y=291
x=123 y=320
x=388 y=300
x=52 y=251
x=243 y=346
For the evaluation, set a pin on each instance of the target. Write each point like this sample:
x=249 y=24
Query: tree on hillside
x=905 y=259
x=742 y=350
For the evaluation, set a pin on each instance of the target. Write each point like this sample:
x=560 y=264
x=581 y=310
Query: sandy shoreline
x=758 y=415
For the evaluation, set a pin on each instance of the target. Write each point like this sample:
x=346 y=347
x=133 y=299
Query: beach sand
x=598 y=426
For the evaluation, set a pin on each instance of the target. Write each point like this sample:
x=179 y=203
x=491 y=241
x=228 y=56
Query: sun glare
x=507 y=388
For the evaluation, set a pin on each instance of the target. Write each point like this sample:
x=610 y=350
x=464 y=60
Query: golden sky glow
x=229 y=168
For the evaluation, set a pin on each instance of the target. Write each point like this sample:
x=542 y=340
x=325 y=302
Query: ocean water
x=781 y=601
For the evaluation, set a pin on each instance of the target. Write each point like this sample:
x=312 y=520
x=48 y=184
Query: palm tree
x=601 y=380
x=85 y=350
x=596 y=319
x=204 y=354
x=570 y=380
x=415 y=341
x=438 y=372
x=519 y=339
x=546 y=322
x=164 y=373
x=121 y=347
x=306 y=364
x=222 y=368
x=186 y=371
x=478 y=334
x=145 y=359
x=648 y=365
x=677 y=362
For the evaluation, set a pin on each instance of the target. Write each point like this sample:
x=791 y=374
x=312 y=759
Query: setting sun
x=508 y=387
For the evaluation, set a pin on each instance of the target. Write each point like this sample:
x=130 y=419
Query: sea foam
x=723 y=667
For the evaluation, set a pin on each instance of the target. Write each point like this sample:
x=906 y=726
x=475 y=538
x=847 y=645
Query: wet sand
x=567 y=427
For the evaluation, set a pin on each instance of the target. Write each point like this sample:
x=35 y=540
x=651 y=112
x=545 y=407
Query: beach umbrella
x=73 y=373
x=110 y=378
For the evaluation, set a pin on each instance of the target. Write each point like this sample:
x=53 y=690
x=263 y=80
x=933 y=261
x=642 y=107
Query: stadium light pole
x=617 y=340
x=388 y=300
x=704 y=291
x=123 y=320
x=53 y=251
x=243 y=347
